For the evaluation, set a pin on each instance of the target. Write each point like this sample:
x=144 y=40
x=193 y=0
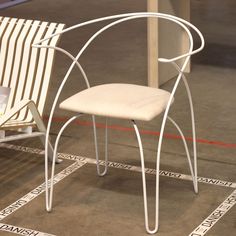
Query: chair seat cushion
x=126 y=101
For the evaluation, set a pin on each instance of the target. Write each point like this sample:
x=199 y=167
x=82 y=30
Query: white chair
x=27 y=72
x=126 y=101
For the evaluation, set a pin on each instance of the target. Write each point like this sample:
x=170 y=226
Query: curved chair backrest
x=125 y=17
x=24 y=69
x=185 y=25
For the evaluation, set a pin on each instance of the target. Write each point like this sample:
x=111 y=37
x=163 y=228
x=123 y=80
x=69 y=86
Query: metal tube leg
x=50 y=150
x=41 y=127
x=49 y=190
x=96 y=148
x=186 y=149
x=193 y=124
x=144 y=187
x=193 y=133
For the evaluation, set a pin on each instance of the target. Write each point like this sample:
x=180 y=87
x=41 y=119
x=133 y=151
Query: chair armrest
x=7 y=116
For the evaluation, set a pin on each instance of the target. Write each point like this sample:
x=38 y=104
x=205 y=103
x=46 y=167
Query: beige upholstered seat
x=126 y=101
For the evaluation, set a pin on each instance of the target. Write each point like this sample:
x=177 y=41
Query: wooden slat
x=17 y=66
x=3 y=26
x=36 y=32
x=23 y=65
x=41 y=64
x=48 y=70
x=12 y=122
x=33 y=64
x=33 y=57
x=4 y=46
x=16 y=91
x=17 y=124
x=10 y=54
x=40 y=68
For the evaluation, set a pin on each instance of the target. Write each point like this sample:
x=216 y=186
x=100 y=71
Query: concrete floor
x=87 y=205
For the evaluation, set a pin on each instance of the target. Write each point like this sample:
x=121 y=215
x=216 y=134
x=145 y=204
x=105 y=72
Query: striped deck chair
x=26 y=71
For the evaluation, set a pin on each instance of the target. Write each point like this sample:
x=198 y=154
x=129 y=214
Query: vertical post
x=185 y=14
x=152 y=47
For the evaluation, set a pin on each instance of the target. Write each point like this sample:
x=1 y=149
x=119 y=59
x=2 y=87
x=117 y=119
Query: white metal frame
x=122 y=18
x=27 y=71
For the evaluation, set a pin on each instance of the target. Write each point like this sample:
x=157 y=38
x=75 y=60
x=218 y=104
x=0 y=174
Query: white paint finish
x=48 y=68
x=42 y=60
x=28 y=81
x=33 y=64
x=18 y=90
x=10 y=24
x=21 y=70
x=11 y=51
x=17 y=66
x=185 y=25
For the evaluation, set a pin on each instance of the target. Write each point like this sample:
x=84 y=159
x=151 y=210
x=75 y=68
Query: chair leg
x=193 y=173
x=96 y=148
x=50 y=150
x=49 y=190
x=41 y=128
x=193 y=131
x=144 y=186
